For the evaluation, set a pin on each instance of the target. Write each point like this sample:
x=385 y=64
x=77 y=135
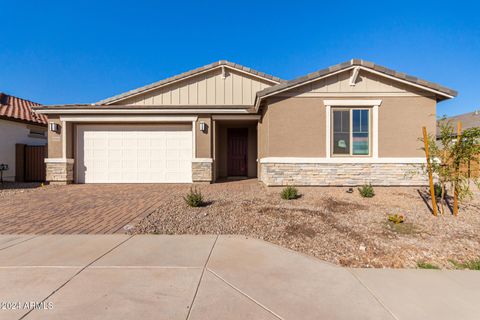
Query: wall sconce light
x=203 y=127
x=55 y=127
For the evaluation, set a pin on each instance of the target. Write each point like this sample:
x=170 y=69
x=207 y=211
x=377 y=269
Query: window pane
x=341 y=143
x=360 y=143
x=341 y=132
x=345 y=120
x=356 y=121
x=360 y=134
x=364 y=126
x=360 y=121
x=337 y=121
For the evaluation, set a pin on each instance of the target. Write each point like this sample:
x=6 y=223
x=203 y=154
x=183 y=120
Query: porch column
x=60 y=163
x=202 y=163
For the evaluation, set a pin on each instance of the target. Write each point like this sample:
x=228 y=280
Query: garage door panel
x=115 y=143
x=134 y=154
x=115 y=164
x=115 y=154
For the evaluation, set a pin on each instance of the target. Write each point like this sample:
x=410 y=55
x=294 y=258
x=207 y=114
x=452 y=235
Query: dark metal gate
x=30 y=163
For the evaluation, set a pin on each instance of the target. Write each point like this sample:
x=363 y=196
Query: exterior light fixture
x=55 y=127
x=203 y=126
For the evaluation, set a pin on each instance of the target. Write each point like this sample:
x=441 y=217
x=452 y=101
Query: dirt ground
x=329 y=223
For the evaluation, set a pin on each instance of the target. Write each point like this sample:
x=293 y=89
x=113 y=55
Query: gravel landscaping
x=11 y=188
x=328 y=223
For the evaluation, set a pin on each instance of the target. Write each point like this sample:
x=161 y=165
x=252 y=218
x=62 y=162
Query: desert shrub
x=471 y=265
x=426 y=265
x=194 y=198
x=396 y=218
x=448 y=154
x=437 y=187
x=289 y=193
x=366 y=191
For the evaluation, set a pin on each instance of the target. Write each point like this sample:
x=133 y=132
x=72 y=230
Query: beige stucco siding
x=296 y=126
x=262 y=137
x=400 y=125
x=54 y=139
x=293 y=127
x=204 y=139
x=210 y=88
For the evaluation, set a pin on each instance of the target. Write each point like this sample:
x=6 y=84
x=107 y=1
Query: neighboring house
x=349 y=124
x=468 y=120
x=19 y=124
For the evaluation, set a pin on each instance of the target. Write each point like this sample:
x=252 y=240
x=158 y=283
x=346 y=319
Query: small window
x=351 y=132
x=37 y=133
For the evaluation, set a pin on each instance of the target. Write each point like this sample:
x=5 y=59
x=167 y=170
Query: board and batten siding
x=367 y=83
x=205 y=89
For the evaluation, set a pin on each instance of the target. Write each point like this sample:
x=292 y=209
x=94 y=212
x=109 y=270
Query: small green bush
x=426 y=265
x=366 y=191
x=194 y=198
x=289 y=193
x=396 y=218
x=471 y=265
x=437 y=188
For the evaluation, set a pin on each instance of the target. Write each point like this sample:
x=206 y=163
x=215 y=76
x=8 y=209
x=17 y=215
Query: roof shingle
x=18 y=109
x=468 y=120
x=349 y=64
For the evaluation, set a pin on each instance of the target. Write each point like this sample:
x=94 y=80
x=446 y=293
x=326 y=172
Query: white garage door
x=134 y=153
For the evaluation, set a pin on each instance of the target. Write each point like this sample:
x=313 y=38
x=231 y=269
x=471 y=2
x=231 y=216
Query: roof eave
x=440 y=91
x=148 y=110
x=33 y=123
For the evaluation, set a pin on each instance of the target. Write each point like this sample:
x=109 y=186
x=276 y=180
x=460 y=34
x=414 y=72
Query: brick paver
x=84 y=208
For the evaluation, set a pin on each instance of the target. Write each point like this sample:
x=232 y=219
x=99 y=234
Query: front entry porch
x=235 y=149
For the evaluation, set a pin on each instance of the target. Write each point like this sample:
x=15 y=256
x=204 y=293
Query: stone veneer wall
x=342 y=174
x=202 y=171
x=59 y=172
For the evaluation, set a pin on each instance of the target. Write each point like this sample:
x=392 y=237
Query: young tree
x=449 y=154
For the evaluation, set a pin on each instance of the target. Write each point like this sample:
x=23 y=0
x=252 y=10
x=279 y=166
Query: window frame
x=332 y=134
x=37 y=132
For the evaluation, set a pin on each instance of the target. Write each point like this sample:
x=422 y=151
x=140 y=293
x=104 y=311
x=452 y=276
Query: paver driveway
x=84 y=208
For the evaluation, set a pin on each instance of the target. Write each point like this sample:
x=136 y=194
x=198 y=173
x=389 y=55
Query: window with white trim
x=350 y=132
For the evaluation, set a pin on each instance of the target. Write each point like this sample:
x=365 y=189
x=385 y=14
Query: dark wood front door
x=237 y=151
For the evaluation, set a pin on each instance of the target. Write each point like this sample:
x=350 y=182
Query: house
x=19 y=124
x=349 y=124
x=468 y=120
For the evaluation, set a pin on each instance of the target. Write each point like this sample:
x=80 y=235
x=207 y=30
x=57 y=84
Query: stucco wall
x=204 y=139
x=400 y=125
x=55 y=142
x=295 y=126
x=12 y=133
x=54 y=139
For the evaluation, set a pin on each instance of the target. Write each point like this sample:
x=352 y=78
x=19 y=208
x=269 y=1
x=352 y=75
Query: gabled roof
x=18 y=109
x=208 y=67
x=369 y=66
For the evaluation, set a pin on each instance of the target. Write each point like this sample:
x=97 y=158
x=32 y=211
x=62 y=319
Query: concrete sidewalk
x=212 y=277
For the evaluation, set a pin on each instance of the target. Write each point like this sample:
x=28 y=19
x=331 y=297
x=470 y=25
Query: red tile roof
x=18 y=109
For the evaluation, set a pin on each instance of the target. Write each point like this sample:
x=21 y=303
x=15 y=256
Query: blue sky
x=80 y=52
